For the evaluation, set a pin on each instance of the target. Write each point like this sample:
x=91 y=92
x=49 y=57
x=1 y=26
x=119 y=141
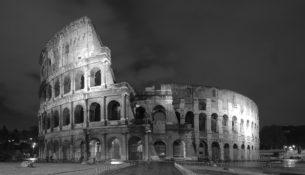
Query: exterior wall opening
x=179 y=149
x=95 y=112
x=114 y=111
x=226 y=152
x=215 y=151
x=160 y=148
x=202 y=122
x=214 y=119
x=95 y=77
x=66 y=117
x=189 y=119
x=135 y=148
x=78 y=114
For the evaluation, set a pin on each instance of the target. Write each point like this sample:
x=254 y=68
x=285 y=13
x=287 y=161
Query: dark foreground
x=154 y=168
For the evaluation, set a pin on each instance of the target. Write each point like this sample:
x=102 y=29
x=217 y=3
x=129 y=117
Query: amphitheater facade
x=85 y=114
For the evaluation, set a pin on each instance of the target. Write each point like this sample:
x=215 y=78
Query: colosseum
x=85 y=114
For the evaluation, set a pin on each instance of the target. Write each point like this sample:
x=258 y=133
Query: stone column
x=219 y=125
x=123 y=155
x=146 y=147
x=231 y=151
x=105 y=110
x=196 y=131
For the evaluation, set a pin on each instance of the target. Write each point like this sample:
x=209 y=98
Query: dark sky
x=253 y=47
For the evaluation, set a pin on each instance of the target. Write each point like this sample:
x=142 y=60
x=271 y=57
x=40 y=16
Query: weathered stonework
x=84 y=114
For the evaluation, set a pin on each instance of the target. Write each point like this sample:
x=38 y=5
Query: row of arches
x=52 y=119
x=113 y=150
x=79 y=83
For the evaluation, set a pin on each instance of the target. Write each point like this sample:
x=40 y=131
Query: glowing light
x=115 y=162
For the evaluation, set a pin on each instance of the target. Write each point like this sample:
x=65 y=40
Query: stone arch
x=225 y=120
x=114 y=148
x=66 y=116
x=66 y=150
x=140 y=115
x=95 y=77
x=202 y=121
x=94 y=149
x=79 y=150
x=79 y=80
x=135 y=148
x=95 y=112
x=202 y=150
x=49 y=147
x=57 y=88
x=214 y=126
x=248 y=153
x=235 y=152
x=242 y=152
x=189 y=119
x=79 y=114
x=114 y=110
x=215 y=151
x=55 y=119
x=159 y=119
x=241 y=126
x=160 y=148
x=226 y=152
x=49 y=92
x=179 y=148
x=67 y=84
x=55 y=155
x=234 y=124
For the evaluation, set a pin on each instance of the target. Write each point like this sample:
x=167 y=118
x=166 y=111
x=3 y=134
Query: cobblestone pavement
x=154 y=168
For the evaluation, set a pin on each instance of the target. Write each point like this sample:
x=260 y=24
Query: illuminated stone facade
x=85 y=115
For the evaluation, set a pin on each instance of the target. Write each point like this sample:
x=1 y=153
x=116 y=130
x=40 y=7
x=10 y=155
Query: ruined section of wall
x=74 y=42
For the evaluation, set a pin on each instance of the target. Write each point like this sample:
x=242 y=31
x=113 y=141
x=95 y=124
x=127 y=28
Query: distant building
x=84 y=114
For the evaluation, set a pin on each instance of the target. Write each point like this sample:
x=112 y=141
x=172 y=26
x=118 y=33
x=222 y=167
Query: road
x=154 y=168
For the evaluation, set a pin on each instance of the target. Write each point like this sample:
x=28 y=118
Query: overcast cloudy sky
x=253 y=47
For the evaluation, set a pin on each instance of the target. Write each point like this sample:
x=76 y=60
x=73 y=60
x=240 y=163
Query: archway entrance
x=94 y=149
x=202 y=150
x=226 y=152
x=179 y=148
x=235 y=152
x=242 y=153
x=115 y=148
x=248 y=153
x=66 y=150
x=215 y=151
x=135 y=148
x=160 y=148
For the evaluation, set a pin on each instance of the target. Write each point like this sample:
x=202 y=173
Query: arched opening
x=95 y=149
x=78 y=114
x=67 y=84
x=159 y=119
x=178 y=117
x=214 y=118
x=202 y=104
x=79 y=80
x=234 y=124
x=95 y=77
x=202 y=150
x=140 y=115
x=242 y=126
x=215 y=151
x=95 y=112
x=135 y=148
x=225 y=123
x=55 y=155
x=242 y=153
x=202 y=121
x=57 y=88
x=79 y=150
x=66 y=116
x=66 y=150
x=55 y=119
x=49 y=154
x=226 y=152
x=248 y=153
x=189 y=119
x=235 y=152
x=114 y=110
x=49 y=92
x=160 y=148
x=115 y=148
x=179 y=149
